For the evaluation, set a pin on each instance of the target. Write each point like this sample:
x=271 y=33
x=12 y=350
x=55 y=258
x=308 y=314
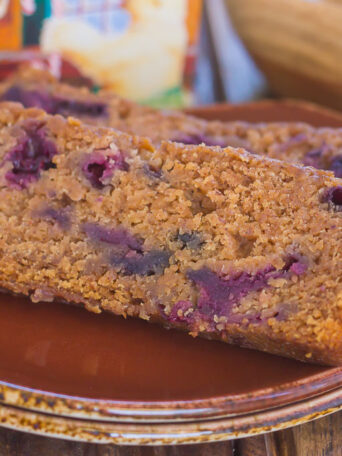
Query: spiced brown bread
x=293 y=142
x=218 y=242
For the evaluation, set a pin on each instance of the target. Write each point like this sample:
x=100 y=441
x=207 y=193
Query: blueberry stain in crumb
x=333 y=196
x=32 y=154
x=190 y=240
x=99 y=167
x=53 y=104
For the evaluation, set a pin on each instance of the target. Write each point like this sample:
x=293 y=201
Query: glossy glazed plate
x=105 y=379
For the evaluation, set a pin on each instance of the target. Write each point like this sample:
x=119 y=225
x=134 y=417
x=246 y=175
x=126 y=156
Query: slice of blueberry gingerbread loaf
x=293 y=142
x=218 y=242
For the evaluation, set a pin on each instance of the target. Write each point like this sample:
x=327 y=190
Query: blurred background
x=176 y=53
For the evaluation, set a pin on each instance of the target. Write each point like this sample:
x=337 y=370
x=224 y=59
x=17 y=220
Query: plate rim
x=122 y=433
x=263 y=399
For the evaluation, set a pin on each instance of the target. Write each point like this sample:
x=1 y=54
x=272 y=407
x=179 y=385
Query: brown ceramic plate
x=69 y=373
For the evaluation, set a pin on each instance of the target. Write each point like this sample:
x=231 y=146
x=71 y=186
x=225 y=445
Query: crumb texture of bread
x=293 y=142
x=218 y=242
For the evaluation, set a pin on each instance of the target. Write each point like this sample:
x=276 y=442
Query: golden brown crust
x=138 y=244
x=293 y=142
